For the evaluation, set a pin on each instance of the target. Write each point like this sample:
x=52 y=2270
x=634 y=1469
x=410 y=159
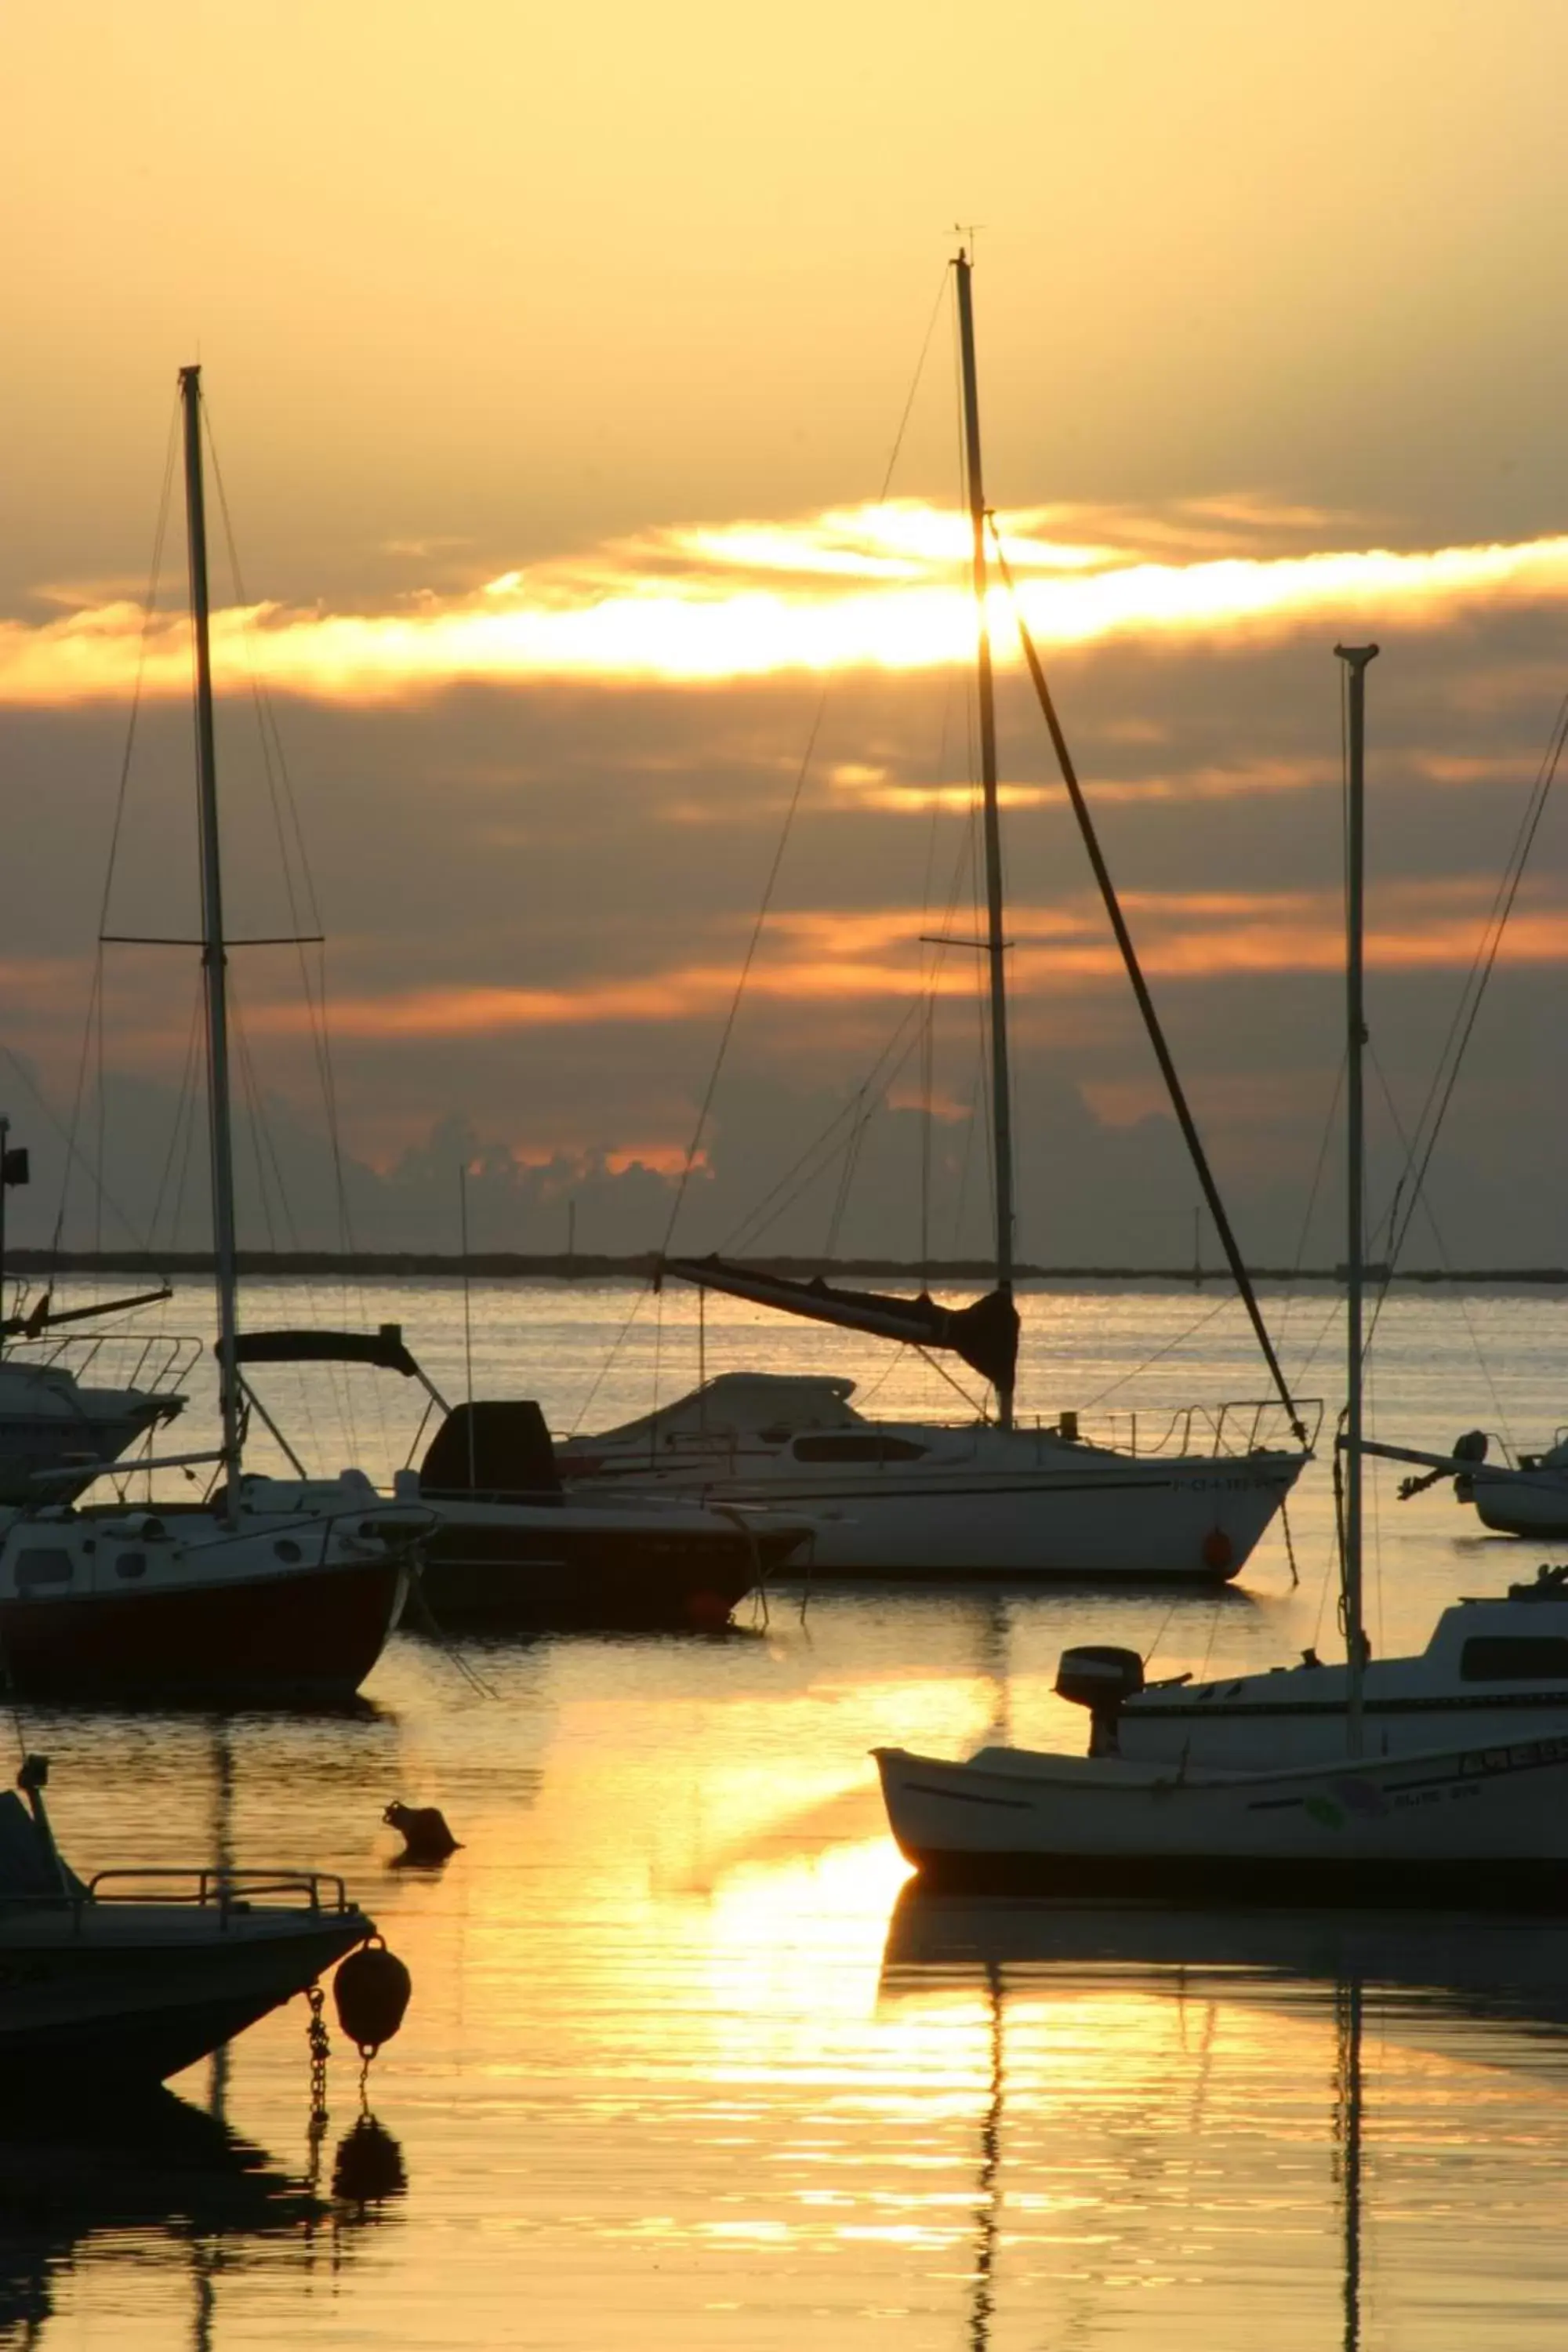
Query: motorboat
x=57 y=1425
x=54 y=1421
x=510 y=1547
x=111 y=1984
x=991 y=1498
x=913 y=1499
x=1523 y=1494
x=1463 y=1822
x=1494 y=1670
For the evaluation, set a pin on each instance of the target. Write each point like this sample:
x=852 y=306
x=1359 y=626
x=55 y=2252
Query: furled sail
x=985 y=1334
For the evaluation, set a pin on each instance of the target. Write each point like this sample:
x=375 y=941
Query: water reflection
x=1086 y=2015
x=369 y=2167
x=159 y=2171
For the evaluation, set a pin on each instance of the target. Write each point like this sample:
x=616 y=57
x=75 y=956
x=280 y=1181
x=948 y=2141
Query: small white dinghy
x=1458 y=1823
x=114 y=1983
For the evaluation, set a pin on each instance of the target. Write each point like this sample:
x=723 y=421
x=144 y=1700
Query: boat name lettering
x=1520 y=1758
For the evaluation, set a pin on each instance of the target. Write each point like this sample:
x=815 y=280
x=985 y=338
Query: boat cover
x=383 y=1347
x=500 y=1448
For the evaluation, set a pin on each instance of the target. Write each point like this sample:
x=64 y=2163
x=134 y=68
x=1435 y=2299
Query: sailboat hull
x=1485 y=1827
x=274 y=1640
x=1087 y=1516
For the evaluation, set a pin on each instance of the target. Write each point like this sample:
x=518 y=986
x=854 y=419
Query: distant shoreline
x=503 y=1266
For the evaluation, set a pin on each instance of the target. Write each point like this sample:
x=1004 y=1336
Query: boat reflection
x=1039 y=1986
x=164 y=2177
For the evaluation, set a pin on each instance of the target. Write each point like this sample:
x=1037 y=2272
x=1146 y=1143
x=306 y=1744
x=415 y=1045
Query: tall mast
x=996 y=946
x=214 y=961
x=1355 y=659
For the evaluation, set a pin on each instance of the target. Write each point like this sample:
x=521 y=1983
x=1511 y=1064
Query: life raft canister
x=369 y=1994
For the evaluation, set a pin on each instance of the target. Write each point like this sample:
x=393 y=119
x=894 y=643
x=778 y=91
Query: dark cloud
x=605 y=848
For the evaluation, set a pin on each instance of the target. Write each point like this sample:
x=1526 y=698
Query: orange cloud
x=877 y=587
x=832 y=957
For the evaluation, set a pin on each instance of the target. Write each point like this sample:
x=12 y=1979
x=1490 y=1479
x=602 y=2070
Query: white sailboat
x=267 y=1593
x=995 y=1498
x=1457 y=1823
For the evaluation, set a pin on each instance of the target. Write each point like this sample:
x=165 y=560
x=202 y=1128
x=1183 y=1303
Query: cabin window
x=1514 y=1658
x=288 y=1550
x=857 y=1449
x=131 y=1564
x=37 y=1568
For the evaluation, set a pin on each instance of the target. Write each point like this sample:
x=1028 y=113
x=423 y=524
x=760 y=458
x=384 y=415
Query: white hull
x=1457 y=1826
x=51 y=1424
x=1523 y=1502
x=921 y=1498
x=1197 y=1521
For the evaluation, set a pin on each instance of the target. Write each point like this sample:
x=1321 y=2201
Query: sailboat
x=996 y=1498
x=1456 y=1824
x=265 y=1593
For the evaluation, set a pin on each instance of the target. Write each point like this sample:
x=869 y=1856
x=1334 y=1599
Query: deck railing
x=157 y=1363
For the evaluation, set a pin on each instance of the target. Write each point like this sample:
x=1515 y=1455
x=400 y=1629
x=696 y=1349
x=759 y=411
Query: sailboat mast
x=214 y=961
x=1355 y=659
x=996 y=946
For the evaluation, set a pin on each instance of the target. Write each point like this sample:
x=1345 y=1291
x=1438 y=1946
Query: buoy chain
x=321 y=2047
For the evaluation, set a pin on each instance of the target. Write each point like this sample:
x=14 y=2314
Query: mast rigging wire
x=1156 y=1032
x=804 y=769
x=1445 y=1077
x=94 y=1019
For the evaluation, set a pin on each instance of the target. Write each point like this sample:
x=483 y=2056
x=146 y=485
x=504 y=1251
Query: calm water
x=683 y=2066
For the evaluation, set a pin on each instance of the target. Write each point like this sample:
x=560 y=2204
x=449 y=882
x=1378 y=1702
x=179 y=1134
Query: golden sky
x=518 y=278
x=555 y=362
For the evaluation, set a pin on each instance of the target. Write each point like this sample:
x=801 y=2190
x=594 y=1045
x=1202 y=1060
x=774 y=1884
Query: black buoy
x=369 y=1994
x=426 y=1837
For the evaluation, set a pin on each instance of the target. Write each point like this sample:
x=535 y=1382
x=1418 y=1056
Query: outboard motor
x=1101 y=1678
x=1470 y=1447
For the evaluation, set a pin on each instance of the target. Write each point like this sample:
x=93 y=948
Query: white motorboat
x=1461 y=1823
x=1522 y=1495
x=54 y=1423
x=114 y=1983
x=1495 y=1670
x=991 y=1498
x=929 y=1499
